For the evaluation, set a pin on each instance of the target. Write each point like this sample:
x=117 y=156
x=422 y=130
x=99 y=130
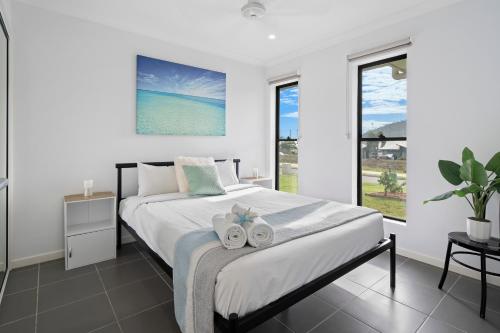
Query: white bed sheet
x=257 y=279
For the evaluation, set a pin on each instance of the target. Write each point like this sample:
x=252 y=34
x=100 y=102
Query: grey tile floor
x=132 y=294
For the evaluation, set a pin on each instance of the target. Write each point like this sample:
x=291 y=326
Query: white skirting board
x=48 y=256
x=26 y=261
x=36 y=259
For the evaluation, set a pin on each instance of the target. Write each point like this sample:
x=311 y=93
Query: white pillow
x=179 y=171
x=156 y=179
x=227 y=173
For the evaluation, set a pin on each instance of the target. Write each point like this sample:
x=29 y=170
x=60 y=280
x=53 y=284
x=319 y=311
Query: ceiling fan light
x=253 y=10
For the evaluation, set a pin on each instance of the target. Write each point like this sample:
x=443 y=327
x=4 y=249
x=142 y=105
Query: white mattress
x=257 y=279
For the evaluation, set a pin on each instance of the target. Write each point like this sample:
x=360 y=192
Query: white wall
x=74 y=91
x=453 y=89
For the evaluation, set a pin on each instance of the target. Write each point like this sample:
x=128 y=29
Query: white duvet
x=259 y=278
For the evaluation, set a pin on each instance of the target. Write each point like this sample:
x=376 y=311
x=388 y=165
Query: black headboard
x=120 y=166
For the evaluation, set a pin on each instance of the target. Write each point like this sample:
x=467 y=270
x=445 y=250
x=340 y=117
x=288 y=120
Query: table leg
x=483 y=285
x=393 y=261
x=446 y=265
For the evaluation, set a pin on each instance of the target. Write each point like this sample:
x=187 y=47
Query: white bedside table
x=89 y=228
x=261 y=181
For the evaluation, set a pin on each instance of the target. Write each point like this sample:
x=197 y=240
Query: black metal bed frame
x=236 y=324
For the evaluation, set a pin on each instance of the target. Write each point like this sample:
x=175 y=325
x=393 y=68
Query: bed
x=244 y=296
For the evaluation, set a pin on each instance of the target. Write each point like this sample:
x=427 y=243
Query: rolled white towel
x=231 y=235
x=259 y=232
x=231 y=218
x=243 y=214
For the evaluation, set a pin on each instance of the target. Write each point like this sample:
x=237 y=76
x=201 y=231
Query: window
x=382 y=147
x=287 y=133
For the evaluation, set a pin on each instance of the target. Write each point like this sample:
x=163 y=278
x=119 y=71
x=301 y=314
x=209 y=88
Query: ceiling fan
x=254 y=9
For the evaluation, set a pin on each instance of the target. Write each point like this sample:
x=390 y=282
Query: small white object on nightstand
x=261 y=181
x=89 y=228
x=87 y=187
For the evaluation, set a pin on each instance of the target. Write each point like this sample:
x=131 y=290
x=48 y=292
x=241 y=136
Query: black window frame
x=277 y=133
x=360 y=138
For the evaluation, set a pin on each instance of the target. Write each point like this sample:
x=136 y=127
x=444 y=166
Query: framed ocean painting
x=176 y=99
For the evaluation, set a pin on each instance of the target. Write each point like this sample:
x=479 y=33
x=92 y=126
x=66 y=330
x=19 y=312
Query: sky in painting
x=165 y=76
x=289 y=112
x=384 y=98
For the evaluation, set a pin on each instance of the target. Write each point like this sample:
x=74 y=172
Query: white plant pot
x=478 y=231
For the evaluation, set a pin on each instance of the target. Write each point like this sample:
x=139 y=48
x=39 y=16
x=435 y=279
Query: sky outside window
x=384 y=98
x=289 y=112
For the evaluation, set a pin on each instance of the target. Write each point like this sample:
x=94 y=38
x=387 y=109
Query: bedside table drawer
x=89 y=248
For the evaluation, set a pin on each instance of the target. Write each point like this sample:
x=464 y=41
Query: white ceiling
x=216 y=26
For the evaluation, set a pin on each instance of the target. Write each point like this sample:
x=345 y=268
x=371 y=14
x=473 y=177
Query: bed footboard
x=236 y=324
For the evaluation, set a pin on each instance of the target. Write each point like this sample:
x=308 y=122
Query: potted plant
x=481 y=183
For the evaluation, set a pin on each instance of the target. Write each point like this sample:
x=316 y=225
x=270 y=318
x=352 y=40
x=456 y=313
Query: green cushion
x=203 y=180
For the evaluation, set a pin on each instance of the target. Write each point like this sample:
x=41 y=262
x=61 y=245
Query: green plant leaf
x=450 y=171
x=440 y=197
x=473 y=188
x=467 y=154
x=494 y=164
x=474 y=172
x=496 y=184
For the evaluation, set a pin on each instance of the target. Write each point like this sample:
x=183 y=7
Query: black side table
x=483 y=250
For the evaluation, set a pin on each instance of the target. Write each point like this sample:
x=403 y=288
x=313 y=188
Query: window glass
x=289 y=112
x=384 y=100
x=287 y=145
x=382 y=142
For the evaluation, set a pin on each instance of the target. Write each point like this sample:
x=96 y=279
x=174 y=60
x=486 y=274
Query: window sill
x=396 y=222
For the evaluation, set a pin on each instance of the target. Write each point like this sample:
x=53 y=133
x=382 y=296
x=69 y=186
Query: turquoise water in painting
x=175 y=114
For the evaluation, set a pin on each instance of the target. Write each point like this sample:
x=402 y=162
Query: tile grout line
x=37 y=297
x=66 y=279
x=359 y=320
x=147 y=309
x=70 y=303
x=17 y=320
x=407 y=305
x=322 y=321
x=119 y=264
x=363 y=292
x=463 y=299
x=282 y=323
x=339 y=309
x=101 y=327
x=109 y=300
x=399 y=302
x=438 y=304
x=383 y=277
x=149 y=277
x=153 y=266
x=352 y=316
x=20 y=291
